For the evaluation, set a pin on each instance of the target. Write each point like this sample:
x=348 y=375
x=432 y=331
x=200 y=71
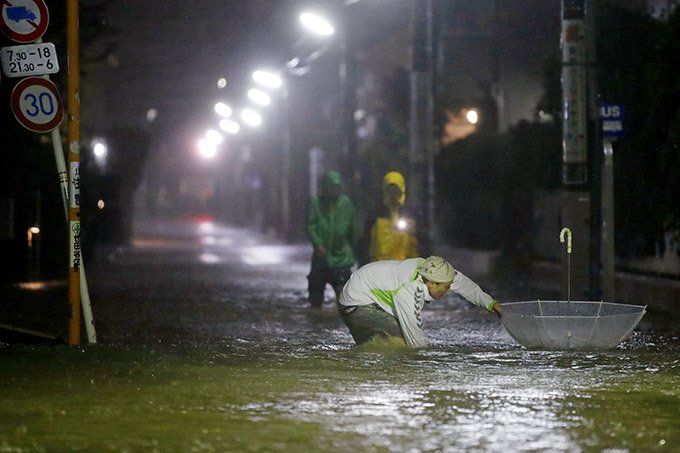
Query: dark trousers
x=369 y=321
x=320 y=275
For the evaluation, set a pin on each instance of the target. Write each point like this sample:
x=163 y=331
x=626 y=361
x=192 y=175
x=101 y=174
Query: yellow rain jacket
x=391 y=233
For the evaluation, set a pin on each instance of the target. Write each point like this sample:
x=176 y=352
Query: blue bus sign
x=612 y=116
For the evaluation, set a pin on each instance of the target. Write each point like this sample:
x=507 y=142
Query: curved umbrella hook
x=566 y=231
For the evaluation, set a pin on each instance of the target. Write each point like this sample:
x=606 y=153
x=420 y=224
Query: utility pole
x=576 y=198
x=421 y=155
x=73 y=135
x=348 y=82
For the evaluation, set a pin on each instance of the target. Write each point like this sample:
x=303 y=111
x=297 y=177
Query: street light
x=259 y=97
x=100 y=150
x=223 y=110
x=214 y=136
x=316 y=24
x=267 y=78
x=229 y=126
x=472 y=116
x=207 y=148
x=251 y=117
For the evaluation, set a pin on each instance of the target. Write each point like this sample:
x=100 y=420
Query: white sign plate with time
x=29 y=60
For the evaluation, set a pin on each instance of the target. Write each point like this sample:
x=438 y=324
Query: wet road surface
x=207 y=344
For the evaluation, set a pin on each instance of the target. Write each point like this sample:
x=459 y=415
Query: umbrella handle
x=566 y=231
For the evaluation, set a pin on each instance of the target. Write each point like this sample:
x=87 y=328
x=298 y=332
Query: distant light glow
x=221 y=83
x=214 y=136
x=206 y=227
x=229 y=126
x=223 y=110
x=251 y=117
x=151 y=115
x=99 y=149
x=207 y=148
x=100 y=204
x=472 y=116
x=401 y=224
x=262 y=255
x=259 y=96
x=32 y=231
x=209 y=258
x=316 y=24
x=266 y=78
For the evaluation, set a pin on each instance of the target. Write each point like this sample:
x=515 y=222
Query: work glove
x=494 y=307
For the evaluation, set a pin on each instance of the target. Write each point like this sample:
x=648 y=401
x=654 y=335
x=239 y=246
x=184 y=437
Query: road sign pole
x=63 y=184
x=73 y=139
x=612 y=116
x=608 y=254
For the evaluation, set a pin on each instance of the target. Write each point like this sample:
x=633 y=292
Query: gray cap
x=437 y=269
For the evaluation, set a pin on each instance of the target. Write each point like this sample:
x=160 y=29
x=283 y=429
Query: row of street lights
x=267 y=80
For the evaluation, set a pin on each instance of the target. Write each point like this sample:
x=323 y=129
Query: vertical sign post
x=612 y=116
x=73 y=138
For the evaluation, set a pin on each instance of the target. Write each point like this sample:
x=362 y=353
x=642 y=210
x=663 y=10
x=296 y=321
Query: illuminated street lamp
x=267 y=78
x=259 y=97
x=223 y=110
x=229 y=126
x=251 y=117
x=214 y=136
x=472 y=116
x=207 y=148
x=100 y=150
x=316 y=24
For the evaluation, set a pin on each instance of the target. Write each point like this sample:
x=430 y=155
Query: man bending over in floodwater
x=385 y=298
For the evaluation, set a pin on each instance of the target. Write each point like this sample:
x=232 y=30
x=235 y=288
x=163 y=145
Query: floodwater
x=206 y=344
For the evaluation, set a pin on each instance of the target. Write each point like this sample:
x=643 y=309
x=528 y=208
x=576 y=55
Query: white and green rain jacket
x=398 y=289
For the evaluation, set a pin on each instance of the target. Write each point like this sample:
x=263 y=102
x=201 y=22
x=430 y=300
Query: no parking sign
x=36 y=104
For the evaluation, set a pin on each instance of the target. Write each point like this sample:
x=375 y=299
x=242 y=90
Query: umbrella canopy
x=561 y=325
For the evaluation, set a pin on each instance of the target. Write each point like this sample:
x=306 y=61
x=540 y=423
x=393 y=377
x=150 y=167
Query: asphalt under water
x=209 y=346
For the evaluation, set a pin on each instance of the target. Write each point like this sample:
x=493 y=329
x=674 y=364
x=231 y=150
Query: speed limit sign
x=36 y=104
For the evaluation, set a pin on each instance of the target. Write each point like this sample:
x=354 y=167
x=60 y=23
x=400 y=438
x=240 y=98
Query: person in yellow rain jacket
x=390 y=232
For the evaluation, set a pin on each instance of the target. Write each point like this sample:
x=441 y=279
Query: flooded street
x=207 y=344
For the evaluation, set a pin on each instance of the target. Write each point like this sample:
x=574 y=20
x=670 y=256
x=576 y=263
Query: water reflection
x=228 y=357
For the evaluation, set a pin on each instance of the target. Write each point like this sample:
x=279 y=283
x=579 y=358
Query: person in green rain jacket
x=331 y=227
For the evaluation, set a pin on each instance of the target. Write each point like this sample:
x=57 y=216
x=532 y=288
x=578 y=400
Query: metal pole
x=608 y=251
x=73 y=139
x=595 y=156
x=63 y=184
x=421 y=171
x=429 y=123
x=576 y=198
x=348 y=81
x=285 y=161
